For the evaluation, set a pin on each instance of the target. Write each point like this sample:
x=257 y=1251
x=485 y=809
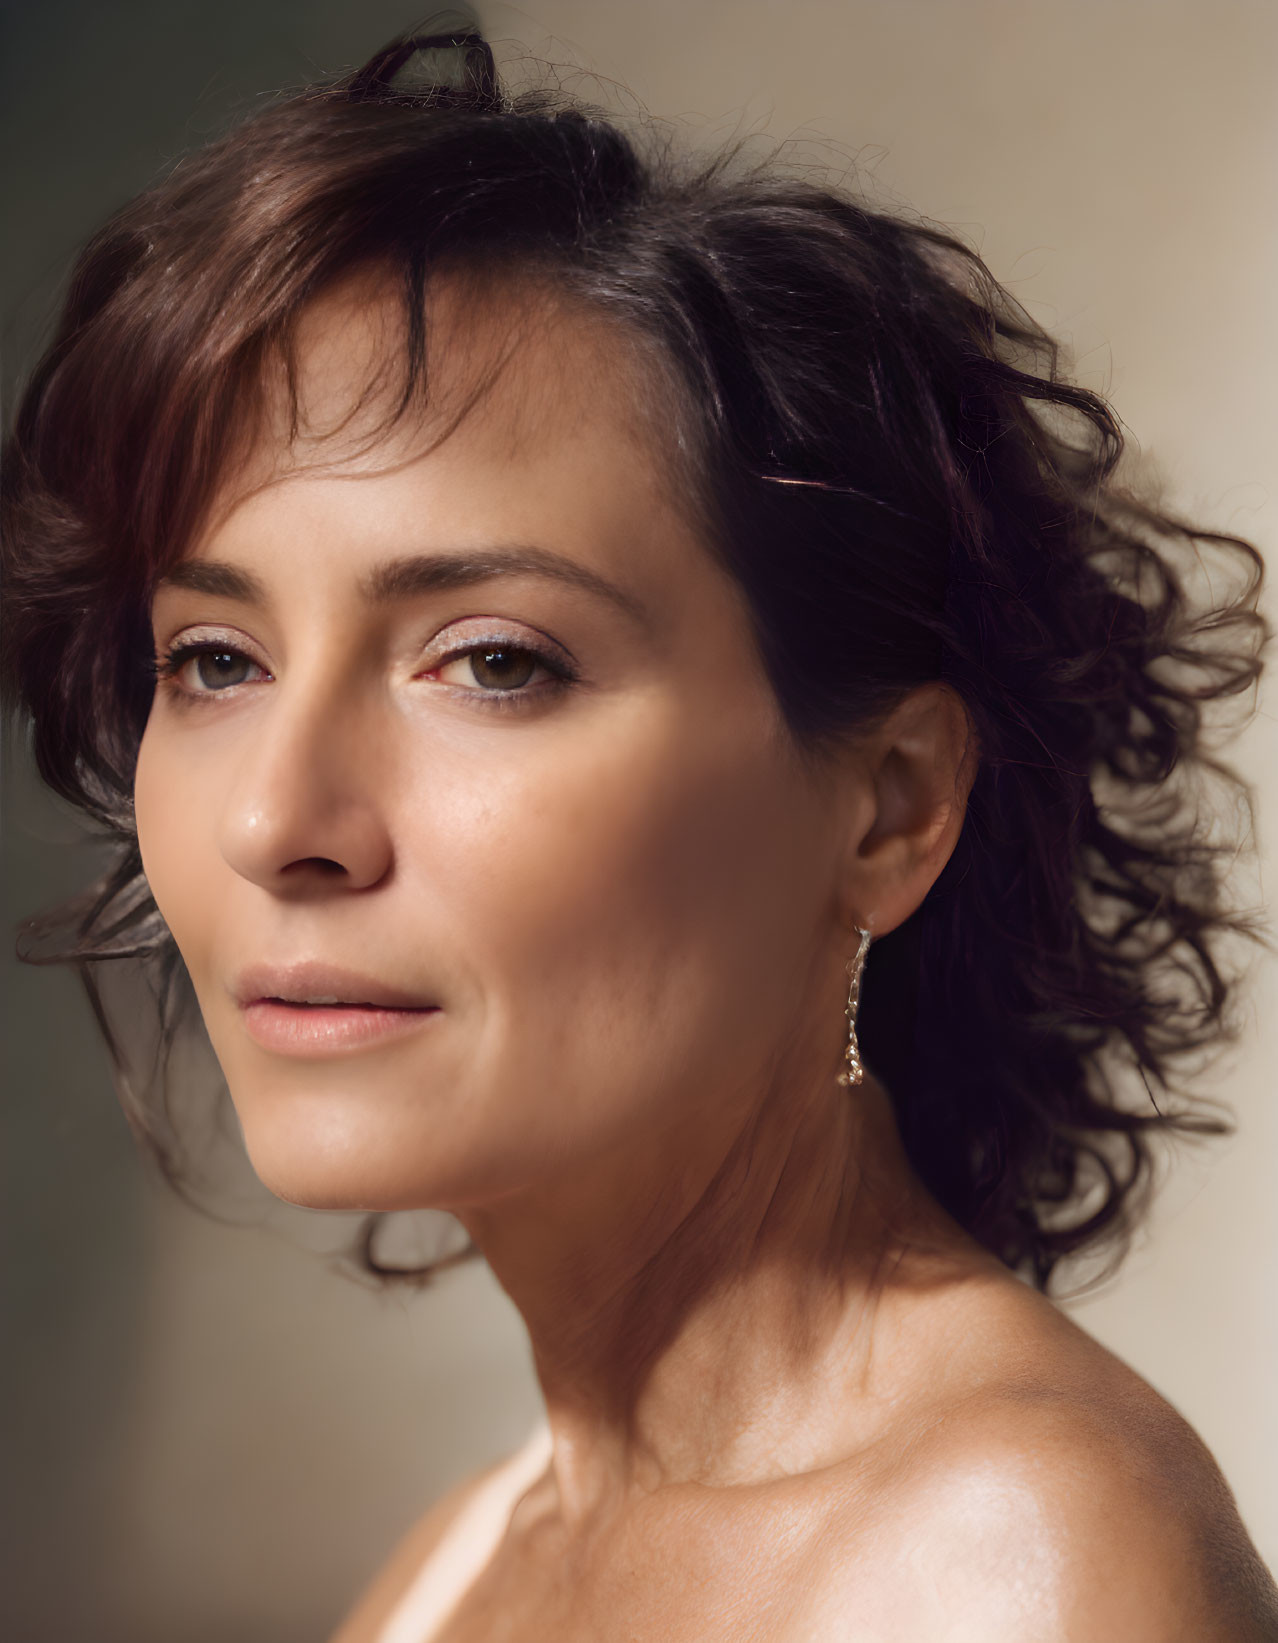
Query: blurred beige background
x=214 y=1435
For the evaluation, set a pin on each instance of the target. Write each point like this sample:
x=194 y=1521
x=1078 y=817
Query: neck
x=688 y=1323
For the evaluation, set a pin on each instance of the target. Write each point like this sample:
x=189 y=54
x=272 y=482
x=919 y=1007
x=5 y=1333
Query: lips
x=310 y=1009
x=303 y=981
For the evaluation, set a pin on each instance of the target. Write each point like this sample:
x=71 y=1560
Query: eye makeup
x=176 y=661
x=220 y=663
x=495 y=656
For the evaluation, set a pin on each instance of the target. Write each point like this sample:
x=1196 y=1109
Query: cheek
x=636 y=905
x=175 y=831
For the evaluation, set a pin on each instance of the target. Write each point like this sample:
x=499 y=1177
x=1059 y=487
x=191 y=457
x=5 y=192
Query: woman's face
x=479 y=740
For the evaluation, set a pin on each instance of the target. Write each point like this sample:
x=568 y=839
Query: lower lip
x=327 y=1029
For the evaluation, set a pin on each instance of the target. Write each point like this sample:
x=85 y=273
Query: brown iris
x=502 y=669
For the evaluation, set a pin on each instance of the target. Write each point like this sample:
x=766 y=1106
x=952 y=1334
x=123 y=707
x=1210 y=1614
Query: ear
x=909 y=780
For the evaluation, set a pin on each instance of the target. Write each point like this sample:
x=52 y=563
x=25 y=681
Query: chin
x=340 y=1155
x=300 y=1171
x=312 y=1182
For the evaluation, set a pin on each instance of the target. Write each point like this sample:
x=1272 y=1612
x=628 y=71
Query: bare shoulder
x=1080 y=1518
x=1058 y=1498
x=381 y=1597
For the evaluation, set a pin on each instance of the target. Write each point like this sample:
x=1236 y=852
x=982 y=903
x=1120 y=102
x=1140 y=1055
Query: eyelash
x=170 y=663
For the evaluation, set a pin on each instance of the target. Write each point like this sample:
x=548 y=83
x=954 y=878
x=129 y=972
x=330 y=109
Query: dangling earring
x=854 y=1072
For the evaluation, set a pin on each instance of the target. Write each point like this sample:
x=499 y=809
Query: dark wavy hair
x=886 y=457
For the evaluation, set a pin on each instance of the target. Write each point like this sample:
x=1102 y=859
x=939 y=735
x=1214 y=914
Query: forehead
x=539 y=423
x=510 y=368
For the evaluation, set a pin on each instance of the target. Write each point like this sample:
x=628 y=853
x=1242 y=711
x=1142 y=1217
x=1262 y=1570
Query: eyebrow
x=416 y=574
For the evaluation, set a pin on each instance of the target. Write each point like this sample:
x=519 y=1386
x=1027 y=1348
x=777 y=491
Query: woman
x=545 y=625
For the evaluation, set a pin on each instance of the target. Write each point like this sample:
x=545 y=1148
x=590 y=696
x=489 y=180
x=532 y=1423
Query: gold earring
x=854 y=1072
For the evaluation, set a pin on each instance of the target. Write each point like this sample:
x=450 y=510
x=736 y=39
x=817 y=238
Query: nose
x=303 y=814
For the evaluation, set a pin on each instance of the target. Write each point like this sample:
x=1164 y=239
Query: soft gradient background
x=214 y=1436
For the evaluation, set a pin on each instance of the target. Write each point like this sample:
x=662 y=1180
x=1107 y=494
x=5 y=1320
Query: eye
x=208 y=667
x=496 y=668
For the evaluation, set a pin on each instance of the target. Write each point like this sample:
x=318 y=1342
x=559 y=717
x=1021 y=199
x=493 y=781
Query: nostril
x=295 y=828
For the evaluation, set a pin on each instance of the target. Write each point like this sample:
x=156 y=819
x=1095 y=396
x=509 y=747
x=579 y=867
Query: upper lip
x=309 y=979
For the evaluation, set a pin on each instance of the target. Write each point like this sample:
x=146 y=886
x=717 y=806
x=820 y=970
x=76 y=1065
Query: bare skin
x=787 y=1397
